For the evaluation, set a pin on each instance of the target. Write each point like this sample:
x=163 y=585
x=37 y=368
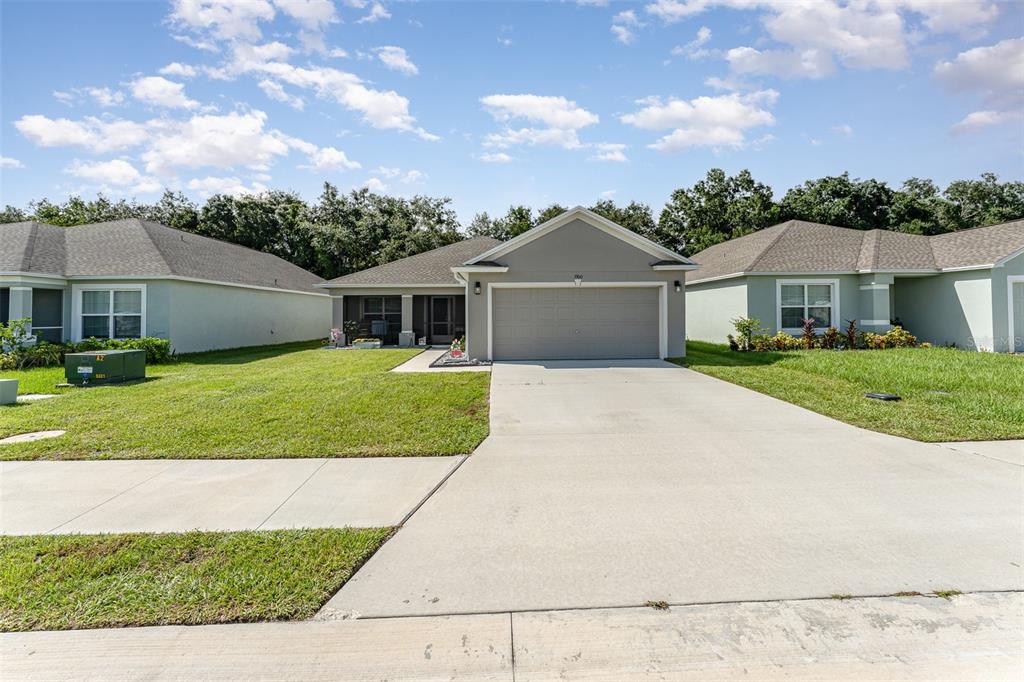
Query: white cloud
x=9 y=162
x=375 y=185
x=197 y=43
x=623 y=24
x=396 y=59
x=844 y=129
x=996 y=72
x=224 y=185
x=496 y=157
x=115 y=175
x=977 y=120
x=91 y=133
x=273 y=90
x=592 y=3
x=377 y=13
x=608 y=151
x=671 y=11
x=178 y=69
x=695 y=48
x=104 y=97
x=608 y=194
x=810 y=63
x=235 y=139
x=159 y=91
x=414 y=177
x=388 y=172
x=720 y=121
x=313 y=16
x=222 y=19
x=623 y=34
x=331 y=159
x=962 y=16
x=556 y=112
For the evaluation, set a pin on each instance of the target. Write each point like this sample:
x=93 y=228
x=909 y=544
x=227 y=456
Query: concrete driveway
x=610 y=484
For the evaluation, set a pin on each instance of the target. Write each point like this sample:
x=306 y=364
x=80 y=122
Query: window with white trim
x=800 y=301
x=112 y=313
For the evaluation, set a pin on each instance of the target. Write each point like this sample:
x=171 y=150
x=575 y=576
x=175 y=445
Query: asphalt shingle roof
x=798 y=246
x=138 y=248
x=430 y=267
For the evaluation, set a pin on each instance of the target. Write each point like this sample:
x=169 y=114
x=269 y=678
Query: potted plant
x=366 y=343
x=456 y=349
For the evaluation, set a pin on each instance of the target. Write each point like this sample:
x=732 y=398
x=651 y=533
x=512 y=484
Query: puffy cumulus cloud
x=556 y=112
x=178 y=69
x=978 y=120
x=996 y=73
x=116 y=175
x=623 y=25
x=10 y=162
x=608 y=194
x=609 y=151
x=495 y=157
x=695 y=48
x=158 y=91
x=720 y=121
x=218 y=141
x=377 y=13
x=274 y=91
x=815 y=34
x=104 y=97
x=810 y=63
x=376 y=185
x=563 y=118
x=313 y=16
x=233 y=186
x=96 y=135
x=222 y=19
x=330 y=159
x=396 y=59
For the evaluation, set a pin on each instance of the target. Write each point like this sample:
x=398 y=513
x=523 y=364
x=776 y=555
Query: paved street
x=179 y=495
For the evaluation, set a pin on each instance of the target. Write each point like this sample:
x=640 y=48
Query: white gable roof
x=593 y=219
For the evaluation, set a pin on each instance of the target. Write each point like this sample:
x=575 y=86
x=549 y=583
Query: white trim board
x=593 y=219
x=662 y=304
x=76 y=304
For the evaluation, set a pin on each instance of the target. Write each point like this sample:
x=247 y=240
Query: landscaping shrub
x=851 y=334
x=830 y=338
x=746 y=329
x=43 y=354
x=784 y=341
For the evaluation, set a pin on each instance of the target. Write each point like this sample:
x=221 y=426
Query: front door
x=441 y=319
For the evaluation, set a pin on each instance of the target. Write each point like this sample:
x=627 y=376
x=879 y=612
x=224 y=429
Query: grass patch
x=60 y=582
x=947 y=594
x=294 y=400
x=948 y=395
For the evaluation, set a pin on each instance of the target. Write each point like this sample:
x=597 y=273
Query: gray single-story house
x=962 y=288
x=133 y=278
x=576 y=287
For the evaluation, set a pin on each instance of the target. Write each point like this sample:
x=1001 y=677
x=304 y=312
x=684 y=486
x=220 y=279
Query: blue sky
x=492 y=103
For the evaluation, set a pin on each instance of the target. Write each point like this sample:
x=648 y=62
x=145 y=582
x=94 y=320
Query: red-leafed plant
x=808 y=336
x=851 y=334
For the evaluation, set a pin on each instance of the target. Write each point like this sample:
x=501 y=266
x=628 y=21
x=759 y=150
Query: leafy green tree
x=634 y=216
x=715 y=209
x=175 y=210
x=517 y=220
x=552 y=211
x=841 y=201
x=916 y=208
x=78 y=211
x=13 y=214
x=974 y=203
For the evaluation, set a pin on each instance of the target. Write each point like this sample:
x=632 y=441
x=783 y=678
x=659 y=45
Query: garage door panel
x=575 y=323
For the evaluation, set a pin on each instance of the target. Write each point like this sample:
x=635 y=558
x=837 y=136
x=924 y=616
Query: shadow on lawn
x=707 y=355
x=242 y=356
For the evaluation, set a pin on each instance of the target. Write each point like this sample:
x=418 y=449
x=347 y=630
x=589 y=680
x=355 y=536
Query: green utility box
x=104 y=367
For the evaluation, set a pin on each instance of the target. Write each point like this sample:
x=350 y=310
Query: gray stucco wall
x=576 y=248
x=952 y=308
x=207 y=316
x=711 y=308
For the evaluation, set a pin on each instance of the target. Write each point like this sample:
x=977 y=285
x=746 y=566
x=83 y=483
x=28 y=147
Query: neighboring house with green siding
x=962 y=288
x=132 y=278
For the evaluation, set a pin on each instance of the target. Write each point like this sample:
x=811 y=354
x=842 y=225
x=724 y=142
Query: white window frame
x=59 y=327
x=779 y=283
x=76 y=305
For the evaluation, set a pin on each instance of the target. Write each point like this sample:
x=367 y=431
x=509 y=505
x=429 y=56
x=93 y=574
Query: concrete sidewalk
x=1010 y=451
x=971 y=637
x=180 y=495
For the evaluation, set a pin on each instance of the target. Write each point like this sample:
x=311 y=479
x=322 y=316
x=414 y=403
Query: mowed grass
x=296 y=400
x=59 y=582
x=948 y=395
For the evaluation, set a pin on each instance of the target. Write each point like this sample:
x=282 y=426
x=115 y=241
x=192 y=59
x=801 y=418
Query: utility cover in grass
x=29 y=437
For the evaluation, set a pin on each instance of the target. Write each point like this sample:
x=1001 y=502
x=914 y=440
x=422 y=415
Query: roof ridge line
x=145 y=230
x=26 y=260
x=753 y=263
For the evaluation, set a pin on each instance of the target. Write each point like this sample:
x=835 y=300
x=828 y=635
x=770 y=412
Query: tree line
x=340 y=233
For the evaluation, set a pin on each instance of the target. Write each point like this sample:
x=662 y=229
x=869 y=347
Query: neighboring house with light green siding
x=962 y=288
x=133 y=278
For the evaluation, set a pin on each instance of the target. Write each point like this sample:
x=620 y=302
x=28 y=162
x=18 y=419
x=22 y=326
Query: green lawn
x=59 y=582
x=295 y=400
x=947 y=394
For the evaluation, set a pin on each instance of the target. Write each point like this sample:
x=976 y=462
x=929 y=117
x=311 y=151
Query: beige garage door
x=577 y=323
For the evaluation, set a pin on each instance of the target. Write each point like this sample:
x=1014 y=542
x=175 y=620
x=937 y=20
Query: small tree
x=746 y=329
x=808 y=335
x=14 y=335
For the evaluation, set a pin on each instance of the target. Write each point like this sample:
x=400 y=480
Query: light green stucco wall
x=762 y=302
x=952 y=308
x=711 y=307
x=207 y=316
x=1000 y=304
